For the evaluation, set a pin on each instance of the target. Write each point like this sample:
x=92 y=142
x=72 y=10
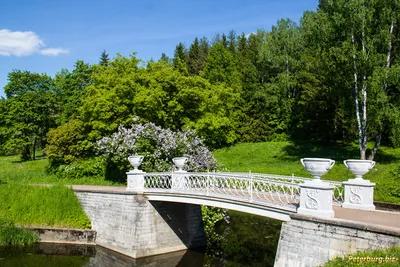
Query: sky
x=45 y=36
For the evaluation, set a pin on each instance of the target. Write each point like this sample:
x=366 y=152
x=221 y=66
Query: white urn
x=135 y=161
x=180 y=162
x=359 y=167
x=317 y=166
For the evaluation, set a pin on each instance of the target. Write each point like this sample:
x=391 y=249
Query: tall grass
x=284 y=158
x=10 y=235
x=41 y=205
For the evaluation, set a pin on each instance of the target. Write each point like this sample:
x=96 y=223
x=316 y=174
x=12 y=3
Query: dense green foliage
x=10 y=235
x=211 y=216
x=383 y=257
x=41 y=205
x=332 y=78
x=243 y=239
x=284 y=158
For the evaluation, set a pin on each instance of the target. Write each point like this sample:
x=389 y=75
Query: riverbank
x=55 y=206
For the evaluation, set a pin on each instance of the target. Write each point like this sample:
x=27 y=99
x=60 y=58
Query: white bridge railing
x=305 y=196
x=263 y=189
x=338 y=188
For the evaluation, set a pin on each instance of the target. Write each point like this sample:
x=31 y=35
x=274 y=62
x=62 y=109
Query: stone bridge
x=160 y=213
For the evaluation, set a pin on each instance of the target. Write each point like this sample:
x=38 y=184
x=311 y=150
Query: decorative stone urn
x=179 y=177
x=359 y=167
x=317 y=166
x=359 y=193
x=316 y=195
x=179 y=163
x=135 y=161
x=135 y=177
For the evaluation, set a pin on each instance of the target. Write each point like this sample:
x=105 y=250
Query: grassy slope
x=37 y=205
x=284 y=158
x=12 y=170
x=41 y=205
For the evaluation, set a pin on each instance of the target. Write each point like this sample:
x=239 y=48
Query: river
x=242 y=240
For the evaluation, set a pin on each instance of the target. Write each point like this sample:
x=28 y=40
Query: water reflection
x=60 y=255
x=247 y=240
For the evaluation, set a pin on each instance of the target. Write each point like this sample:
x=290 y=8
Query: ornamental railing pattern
x=263 y=189
x=338 y=188
x=236 y=187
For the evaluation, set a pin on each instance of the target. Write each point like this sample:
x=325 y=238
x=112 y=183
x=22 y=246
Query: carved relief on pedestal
x=312 y=201
x=355 y=197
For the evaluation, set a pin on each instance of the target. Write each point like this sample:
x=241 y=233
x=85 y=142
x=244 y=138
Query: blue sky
x=47 y=35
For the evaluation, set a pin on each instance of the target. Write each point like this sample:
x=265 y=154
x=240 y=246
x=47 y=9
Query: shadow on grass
x=27 y=160
x=114 y=174
x=336 y=151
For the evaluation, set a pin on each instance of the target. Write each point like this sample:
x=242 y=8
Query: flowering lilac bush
x=158 y=145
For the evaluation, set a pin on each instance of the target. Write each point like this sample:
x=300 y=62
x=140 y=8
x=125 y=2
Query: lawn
x=284 y=158
x=13 y=170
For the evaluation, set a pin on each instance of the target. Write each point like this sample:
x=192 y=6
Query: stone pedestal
x=179 y=180
x=316 y=199
x=135 y=181
x=358 y=194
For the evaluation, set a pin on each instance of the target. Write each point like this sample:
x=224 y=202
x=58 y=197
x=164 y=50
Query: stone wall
x=62 y=235
x=307 y=241
x=130 y=224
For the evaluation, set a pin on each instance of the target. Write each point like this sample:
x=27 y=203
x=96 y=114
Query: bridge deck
x=376 y=217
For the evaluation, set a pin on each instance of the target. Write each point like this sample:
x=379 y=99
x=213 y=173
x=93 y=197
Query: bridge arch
x=262 y=210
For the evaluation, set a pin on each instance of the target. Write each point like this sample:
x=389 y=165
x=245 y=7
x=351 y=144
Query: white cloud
x=25 y=44
x=54 y=51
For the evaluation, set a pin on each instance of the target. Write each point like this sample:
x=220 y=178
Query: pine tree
x=224 y=40
x=232 y=41
x=104 y=59
x=165 y=58
x=194 y=60
x=180 y=55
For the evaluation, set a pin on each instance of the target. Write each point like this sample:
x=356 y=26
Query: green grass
x=41 y=206
x=284 y=158
x=13 y=170
x=10 y=235
x=387 y=257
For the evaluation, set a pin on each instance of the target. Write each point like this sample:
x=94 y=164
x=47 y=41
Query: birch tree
x=363 y=42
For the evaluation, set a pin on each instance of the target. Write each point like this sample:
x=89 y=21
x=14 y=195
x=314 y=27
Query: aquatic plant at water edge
x=10 y=235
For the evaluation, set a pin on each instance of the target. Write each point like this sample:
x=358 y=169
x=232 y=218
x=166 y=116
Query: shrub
x=91 y=167
x=158 y=145
x=66 y=143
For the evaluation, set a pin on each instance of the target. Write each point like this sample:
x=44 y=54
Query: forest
x=334 y=77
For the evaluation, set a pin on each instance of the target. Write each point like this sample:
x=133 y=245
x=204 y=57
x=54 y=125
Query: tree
x=180 y=56
x=221 y=67
x=71 y=88
x=232 y=41
x=165 y=58
x=104 y=59
x=20 y=82
x=31 y=111
x=195 y=63
x=360 y=45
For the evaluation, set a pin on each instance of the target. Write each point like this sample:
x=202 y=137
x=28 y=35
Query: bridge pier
x=311 y=241
x=132 y=225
